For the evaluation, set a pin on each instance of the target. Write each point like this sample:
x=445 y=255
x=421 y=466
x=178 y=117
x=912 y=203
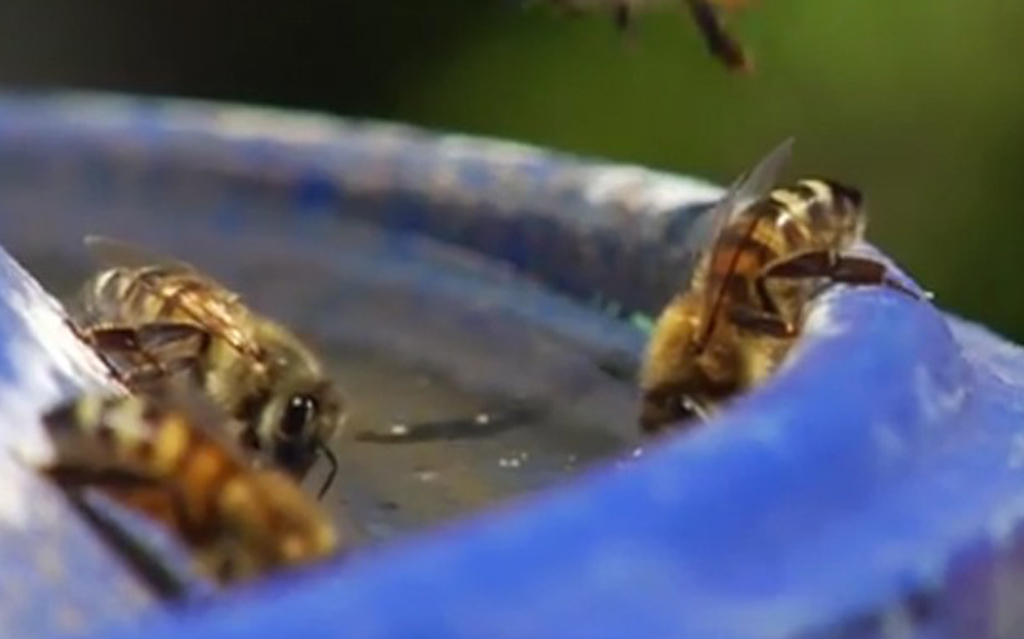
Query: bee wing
x=113 y=253
x=748 y=189
x=150 y=351
x=176 y=346
x=218 y=315
x=110 y=252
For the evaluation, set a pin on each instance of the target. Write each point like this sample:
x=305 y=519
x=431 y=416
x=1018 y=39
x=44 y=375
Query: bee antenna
x=333 y=461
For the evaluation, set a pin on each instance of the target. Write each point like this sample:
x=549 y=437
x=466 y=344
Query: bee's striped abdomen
x=743 y=249
x=98 y=432
x=829 y=213
x=240 y=520
x=145 y=439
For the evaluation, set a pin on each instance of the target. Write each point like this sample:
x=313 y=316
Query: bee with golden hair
x=771 y=251
x=165 y=457
x=154 y=319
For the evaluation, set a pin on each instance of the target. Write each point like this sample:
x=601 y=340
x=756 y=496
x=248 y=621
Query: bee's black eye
x=300 y=411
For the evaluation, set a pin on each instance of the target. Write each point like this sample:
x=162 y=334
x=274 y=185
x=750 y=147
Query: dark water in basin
x=469 y=385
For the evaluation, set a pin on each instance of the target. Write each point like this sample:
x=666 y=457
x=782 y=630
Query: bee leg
x=847 y=269
x=140 y=556
x=622 y=16
x=765 y=296
x=720 y=43
x=331 y=473
x=699 y=410
x=768 y=323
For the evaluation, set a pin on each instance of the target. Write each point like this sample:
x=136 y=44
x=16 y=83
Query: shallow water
x=469 y=385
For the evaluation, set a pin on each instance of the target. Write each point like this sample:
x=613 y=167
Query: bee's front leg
x=700 y=410
x=665 y=405
x=623 y=17
x=847 y=269
x=761 y=321
x=720 y=43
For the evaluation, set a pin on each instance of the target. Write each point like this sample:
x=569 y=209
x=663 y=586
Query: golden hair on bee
x=166 y=458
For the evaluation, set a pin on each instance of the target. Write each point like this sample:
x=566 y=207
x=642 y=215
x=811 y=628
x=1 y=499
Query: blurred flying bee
x=165 y=458
x=771 y=251
x=720 y=43
x=154 y=319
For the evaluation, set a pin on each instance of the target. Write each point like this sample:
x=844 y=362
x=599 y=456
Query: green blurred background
x=918 y=102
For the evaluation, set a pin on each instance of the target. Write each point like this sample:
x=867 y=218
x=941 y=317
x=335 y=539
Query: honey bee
x=720 y=43
x=163 y=457
x=770 y=253
x=154 y=319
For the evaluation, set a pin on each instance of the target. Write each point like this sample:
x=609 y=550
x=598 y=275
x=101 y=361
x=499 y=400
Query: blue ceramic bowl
x=872 y=488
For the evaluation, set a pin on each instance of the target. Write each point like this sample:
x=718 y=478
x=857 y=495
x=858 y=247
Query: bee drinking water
x=155 y=319
x=742 y=309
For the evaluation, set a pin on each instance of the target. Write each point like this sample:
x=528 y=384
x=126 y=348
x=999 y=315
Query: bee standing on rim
x=153 y=319
x=166 y=458
x=770 y=253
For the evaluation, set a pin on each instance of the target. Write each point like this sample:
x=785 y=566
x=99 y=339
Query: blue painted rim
x=873 y=487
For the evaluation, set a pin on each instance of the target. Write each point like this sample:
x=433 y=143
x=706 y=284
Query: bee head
x=299 y=422
x=293 y=420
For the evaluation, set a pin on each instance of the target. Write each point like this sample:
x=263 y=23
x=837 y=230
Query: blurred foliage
x=917 y=102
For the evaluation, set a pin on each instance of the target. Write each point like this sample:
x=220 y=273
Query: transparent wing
x=150 y=351
x=219 y=310
x=750 y=188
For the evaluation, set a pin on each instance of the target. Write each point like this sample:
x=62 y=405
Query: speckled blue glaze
x=44 y=548
x=874 y=488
